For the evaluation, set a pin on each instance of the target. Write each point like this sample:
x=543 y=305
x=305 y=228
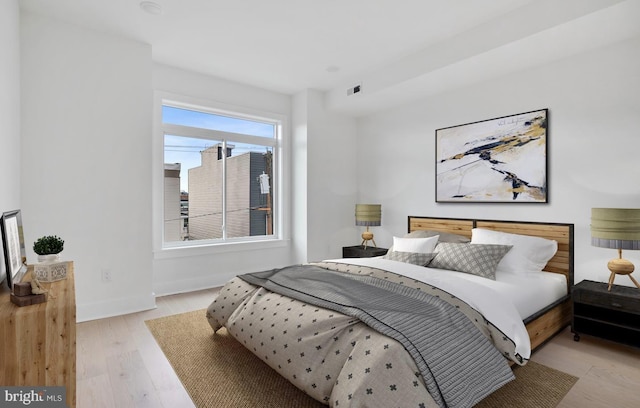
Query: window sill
x=217 y=248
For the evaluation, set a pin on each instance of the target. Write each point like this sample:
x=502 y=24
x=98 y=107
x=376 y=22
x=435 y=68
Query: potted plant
x=49 y=268
x=48 y=248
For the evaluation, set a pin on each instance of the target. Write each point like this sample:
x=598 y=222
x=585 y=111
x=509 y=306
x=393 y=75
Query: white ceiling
x=395 y=49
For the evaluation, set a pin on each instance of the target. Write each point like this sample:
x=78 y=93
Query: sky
x=187 y=150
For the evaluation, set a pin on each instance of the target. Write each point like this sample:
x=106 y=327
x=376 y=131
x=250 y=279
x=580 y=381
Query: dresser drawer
x=608 y=300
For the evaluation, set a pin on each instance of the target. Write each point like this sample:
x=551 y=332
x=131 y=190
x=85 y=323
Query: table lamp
x=368 y=215
x=617 y=228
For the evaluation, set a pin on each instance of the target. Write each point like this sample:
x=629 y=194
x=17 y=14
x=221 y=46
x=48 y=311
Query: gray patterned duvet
x=323 y=346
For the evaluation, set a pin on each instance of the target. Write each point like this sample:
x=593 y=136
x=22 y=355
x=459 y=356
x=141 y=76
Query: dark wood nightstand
x=359 y=251
x=612 y=315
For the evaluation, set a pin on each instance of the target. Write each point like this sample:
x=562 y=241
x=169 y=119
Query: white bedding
x=339 y=360
x=527 y=293
x=532 y=292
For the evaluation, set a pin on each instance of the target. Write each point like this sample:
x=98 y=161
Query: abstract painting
x=496 y=160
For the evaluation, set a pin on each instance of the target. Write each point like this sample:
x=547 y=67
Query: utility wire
x=217 y=213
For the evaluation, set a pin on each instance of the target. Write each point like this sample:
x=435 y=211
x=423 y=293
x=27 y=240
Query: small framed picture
x=15 y=258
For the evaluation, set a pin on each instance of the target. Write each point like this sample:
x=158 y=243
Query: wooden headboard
x=562 y=261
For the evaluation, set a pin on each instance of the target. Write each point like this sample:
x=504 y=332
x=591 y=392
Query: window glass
x=217 y=186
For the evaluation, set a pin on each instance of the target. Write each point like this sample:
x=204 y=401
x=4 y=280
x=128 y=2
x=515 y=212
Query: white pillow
x=420 y=245
x=528 y=254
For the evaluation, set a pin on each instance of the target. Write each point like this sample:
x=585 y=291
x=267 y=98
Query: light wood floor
x=120 y=365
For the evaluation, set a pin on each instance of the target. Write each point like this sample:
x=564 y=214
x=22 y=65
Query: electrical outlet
x=106 y=275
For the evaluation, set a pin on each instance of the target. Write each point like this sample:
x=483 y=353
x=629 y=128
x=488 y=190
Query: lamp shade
x=617 y=228
x=368 y=215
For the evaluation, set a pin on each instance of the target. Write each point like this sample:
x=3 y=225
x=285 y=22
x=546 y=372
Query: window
x=221 y=176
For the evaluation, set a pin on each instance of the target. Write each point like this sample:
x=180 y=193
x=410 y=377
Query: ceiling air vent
x=354 y=90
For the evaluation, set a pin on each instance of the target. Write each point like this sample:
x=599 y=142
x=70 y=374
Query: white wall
x=87 y=134
x=332 y=181
x=86 y=126
x=9 y=105
x=593 y=147
x=201 y=268
x=299 y=177
x=325 y=187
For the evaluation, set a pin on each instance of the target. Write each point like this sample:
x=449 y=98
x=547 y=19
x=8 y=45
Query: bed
x=315 y=325
x=547 y=321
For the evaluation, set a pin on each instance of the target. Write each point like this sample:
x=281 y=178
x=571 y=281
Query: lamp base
x=620 y=266
x=366 y=237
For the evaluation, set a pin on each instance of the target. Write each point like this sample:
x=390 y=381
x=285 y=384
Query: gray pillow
x=476 y=259
x=415 y=258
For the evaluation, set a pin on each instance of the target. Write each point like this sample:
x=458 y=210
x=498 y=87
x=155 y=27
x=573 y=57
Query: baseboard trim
x=191 y=284
x=114 y=307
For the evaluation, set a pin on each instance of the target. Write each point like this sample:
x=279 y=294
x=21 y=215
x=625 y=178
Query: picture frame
x=499 y=160
x=14 y=252
x=3 y=267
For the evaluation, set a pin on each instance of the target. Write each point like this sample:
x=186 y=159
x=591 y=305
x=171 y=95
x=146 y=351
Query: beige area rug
x=217 y=371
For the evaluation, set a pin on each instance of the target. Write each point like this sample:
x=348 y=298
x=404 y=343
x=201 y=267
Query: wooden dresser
x=38 y=342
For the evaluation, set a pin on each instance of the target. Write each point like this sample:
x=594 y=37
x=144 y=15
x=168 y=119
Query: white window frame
x=202 y=247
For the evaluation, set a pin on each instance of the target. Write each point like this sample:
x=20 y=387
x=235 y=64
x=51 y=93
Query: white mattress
x=531 y=292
